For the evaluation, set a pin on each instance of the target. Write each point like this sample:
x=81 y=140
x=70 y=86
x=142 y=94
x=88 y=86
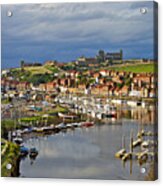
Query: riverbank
x=47 y=122
x=10 y=156
x=37 y=119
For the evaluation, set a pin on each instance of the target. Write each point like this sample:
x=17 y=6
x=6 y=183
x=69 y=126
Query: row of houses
x=110 y=73
x=14 y=85
x=105 y=90
x=105 y=82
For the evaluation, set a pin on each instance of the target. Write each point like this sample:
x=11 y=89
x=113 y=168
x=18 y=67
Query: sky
x=66 y=31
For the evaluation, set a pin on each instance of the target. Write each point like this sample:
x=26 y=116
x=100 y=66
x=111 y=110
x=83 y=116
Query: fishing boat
x=99 y=115
x=18 y=140
x=87 y=124
x=77 y=124
x=27 y=130
x=110 y=111
x=149 y=133
x=127 y=156
x=18 y=133
x=39 y=129
x=137 y=142
x=24 y=151
x=93 y=114
x=66 y=116
x=141 y=133
x=70 y=125
x=142 y=157
x=147 y=144
x=48 y=128
x=33 y=152
x=14 y=134
x=61 y=126
x=122 y=151
x=111 y=114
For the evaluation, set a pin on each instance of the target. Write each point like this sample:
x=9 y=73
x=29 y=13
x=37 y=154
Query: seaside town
x=87 y=76
x=40 y=99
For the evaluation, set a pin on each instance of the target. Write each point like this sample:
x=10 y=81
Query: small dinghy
x=87 y=124
x=33 y=152
x=24 y=151
x=18 y=140
x=61 y=126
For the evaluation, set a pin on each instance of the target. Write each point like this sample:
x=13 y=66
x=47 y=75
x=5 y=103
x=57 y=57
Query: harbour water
x=87 y=153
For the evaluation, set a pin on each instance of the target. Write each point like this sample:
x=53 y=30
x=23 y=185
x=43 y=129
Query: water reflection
x=144 y=116
x=89 y=152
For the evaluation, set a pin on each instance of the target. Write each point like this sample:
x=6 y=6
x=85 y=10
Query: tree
x=119 y=85
x=63 y=76
x=128 y=81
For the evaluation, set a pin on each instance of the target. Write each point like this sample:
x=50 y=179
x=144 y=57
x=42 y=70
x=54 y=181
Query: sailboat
x=121 y=152
x=128 y=155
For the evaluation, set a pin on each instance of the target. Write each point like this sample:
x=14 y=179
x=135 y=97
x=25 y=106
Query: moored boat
x=120 y=153
x=66 y=116
x=39 y=129
x=87 y=124
x=70 y=125
x=18 y=140
x=61 y=126
x=24 y=151
x=33 y=152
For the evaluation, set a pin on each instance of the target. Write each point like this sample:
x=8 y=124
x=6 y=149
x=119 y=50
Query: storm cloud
x=65 y=31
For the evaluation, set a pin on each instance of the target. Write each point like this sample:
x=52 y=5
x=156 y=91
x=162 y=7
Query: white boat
x=18 y=140
x=137 y=142
x=143 y=156
x=70 y=125
x=120 y=153
x=66 y=116
x=87 y=124
x=61 y=126
x=99 y=115
x=77 y=124
x=48 y=128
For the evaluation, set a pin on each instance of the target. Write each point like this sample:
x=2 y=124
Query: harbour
x=79 y=91
x=96 y=138
x=84 y=149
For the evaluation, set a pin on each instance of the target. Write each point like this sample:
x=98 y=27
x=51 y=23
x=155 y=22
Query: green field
x=136 y=68
x=36 y=70
x=35 y=74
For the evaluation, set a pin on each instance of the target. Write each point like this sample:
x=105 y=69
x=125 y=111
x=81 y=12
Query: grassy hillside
x=10 y=155
x=35 y=75
x=136 y=68
x=37 y=70
x=40 y=69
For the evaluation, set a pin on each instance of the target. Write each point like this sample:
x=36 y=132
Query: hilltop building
x=50 y=63
x=115 y=56
x=35 y=64
x=83 y=61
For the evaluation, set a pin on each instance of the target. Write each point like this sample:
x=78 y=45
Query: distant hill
x=35 y=74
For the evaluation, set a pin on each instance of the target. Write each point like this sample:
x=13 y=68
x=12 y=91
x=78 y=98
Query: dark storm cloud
x=65 y=31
